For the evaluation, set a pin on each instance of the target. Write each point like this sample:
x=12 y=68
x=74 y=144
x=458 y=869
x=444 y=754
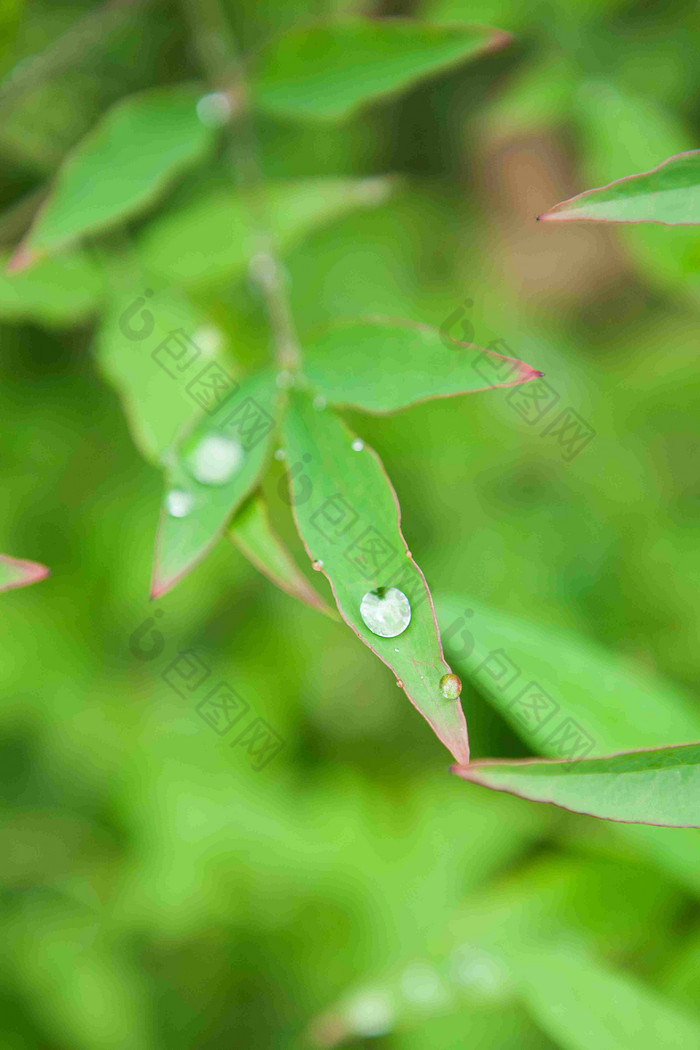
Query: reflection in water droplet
x=320 y=402
x=386 y=611
x=215 y=459
x=450 y=686
x=357 y=445
x=179 y=503
x=317 y=565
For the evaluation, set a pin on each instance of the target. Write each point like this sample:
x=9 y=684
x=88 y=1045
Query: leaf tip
x=21 y=259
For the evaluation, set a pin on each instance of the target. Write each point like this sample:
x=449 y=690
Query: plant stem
x=220 y=58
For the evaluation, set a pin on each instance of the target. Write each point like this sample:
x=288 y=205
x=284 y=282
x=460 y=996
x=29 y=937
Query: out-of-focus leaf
x=637 y=787
x=56 y=291
x=324 y=72
x=17 y=572
x=348 y=517
x=381 y=364
x=668 y=194
x=156 y=350
x=209 y=472
x=120 y=168
x=584 y=1005
x=212 y=238
x=252 y=532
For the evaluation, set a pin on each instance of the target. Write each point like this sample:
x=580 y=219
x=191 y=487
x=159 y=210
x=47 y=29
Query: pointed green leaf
x=348 y=517
x=56 y=291
x=252 y=532
x=17 y=572
x=380 y=364
x=212 y=238
x=637 y=787
x=209 y=472
x=325 y=71
x=120 y=168
x=584 y=1005
x=668 y=194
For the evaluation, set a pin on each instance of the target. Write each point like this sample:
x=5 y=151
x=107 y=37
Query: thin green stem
x=221 y=61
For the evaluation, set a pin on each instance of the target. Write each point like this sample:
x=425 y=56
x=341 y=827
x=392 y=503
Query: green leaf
x=56 y=291
x=252 y=532
x=17 y=572
x=583 y=1005
x=668 y=194
x=226 y=450
x=381 y=364
x=155 y=349
x=348 y=517
x=325 y=71
x=636 y=787
x=212 y=239
x=120 y=168
x=565 y=695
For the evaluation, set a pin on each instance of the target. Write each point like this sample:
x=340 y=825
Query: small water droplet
x=386 y=611
x=209 y=339
x=408 y=554
x=280 y=453
x=320 y=402
x=317 y=565
x=179 y=503
x=450 y=686
x=357 y=445
x=215 y=459
x=214 y=109
x=284 y=379
x=399 y=683
x=396 y=650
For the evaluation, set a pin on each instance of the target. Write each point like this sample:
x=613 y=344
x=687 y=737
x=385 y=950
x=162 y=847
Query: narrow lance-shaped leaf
x=584 y=1005
x=668 y=194
x=348 y=517
x=380 y=364
x=252 y=532
x=17 y=572
x=637 y=787
x=119 y=168
x=325 y=71
x=209 y=472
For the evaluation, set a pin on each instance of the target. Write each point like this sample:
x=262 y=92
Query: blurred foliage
x=158 y=891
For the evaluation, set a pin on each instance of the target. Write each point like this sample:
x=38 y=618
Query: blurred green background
x=157 y=891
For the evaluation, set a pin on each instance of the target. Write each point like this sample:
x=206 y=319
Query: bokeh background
x=157 y=891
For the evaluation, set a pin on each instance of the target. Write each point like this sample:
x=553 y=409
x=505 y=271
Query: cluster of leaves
x=371 y=364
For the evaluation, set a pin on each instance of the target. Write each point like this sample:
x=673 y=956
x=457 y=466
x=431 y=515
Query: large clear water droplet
x=450 y=686
x=179 y=503
x=215 y=459
x=386 y=611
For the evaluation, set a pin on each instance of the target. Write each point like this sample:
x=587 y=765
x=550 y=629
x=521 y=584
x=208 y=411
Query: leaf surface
x=668 y=194
x=120 y=168
x=252 y=532
x=326 y=71
x=228 y=448
x=57 y=291
x=17 y=572
x=637 y=787
x=348 y=517
x=380 y=364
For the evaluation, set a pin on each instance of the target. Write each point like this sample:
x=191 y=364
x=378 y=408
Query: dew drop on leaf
x=215 y=459
x=357 y=445
x=386 y=611
x=450 y=686
x=320 y=402
x=179 y=503
x=317 y=565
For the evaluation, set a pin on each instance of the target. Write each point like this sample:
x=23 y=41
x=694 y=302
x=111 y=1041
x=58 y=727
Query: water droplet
x=320 y=402
x=317 y=565
x=450 y=686
x=179 y=503
x=357 y=445
x=215 y=459
x=399 y=683
x=280 y=453
x=386 y=611
x=284 y=379
x=214 y=109
x=396 y=650
x=209 y=339
x=408 y=554
x=370 y=1013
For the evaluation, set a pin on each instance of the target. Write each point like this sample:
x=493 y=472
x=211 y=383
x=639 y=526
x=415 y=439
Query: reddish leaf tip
x=21 y=259
x=29 y=572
